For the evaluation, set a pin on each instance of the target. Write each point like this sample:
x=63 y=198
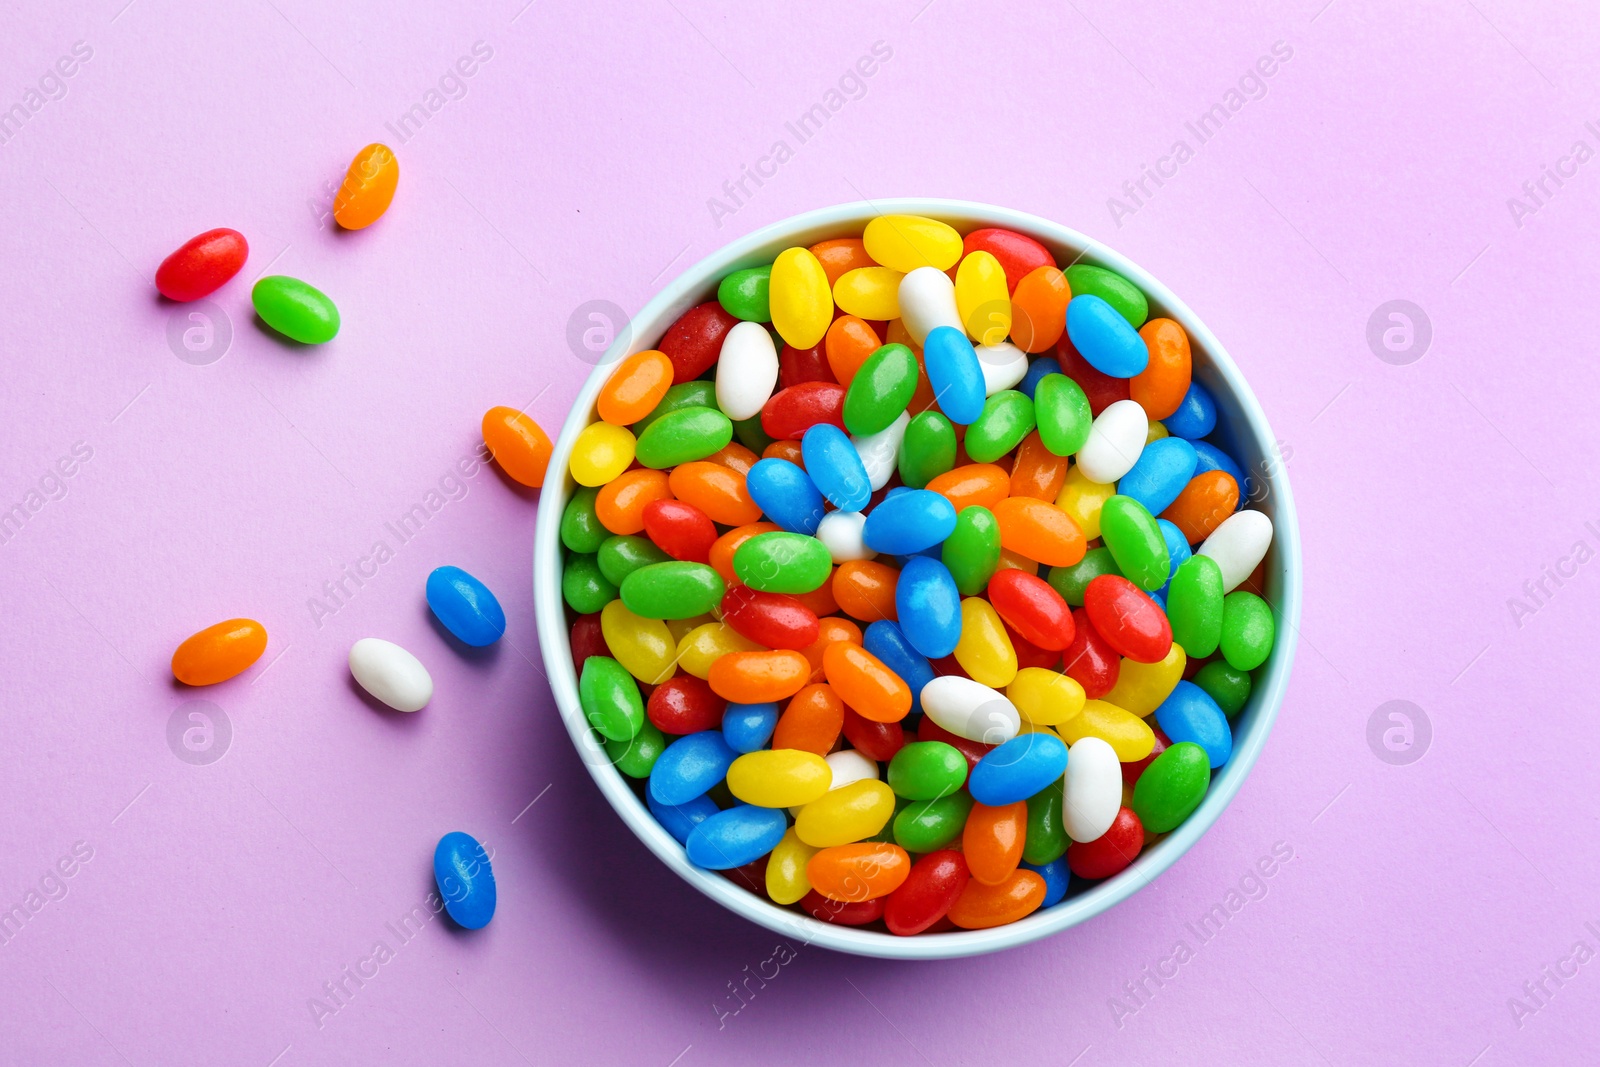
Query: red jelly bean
x=1019 y=254
x=202 y=264
x=874 y=740
x=972 y=751
x=1029 y=604
x=587 y=640
x=770 y=619
x=694 y=342
x=842 y=913
x=1102 y=390
x=935 y=881
x=1089 y=660
x=1109 y=853
x=791 y=412
x=797 y=365
x=1132 y=771
x=1030 y=654
x=680 y=530
x=1132 y=623
x=684 y=704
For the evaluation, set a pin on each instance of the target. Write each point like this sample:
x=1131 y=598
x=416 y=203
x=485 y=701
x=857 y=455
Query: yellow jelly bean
x=869 y=293
x=982 y=299
x=850 y=813
x=681 y=627
x=1045 y=697
x=705 y=644
x=1155 y=431
x=985 y=651
x=644 y=647
x=779 y=777
x=906 y=242
x=786 y=869
x=1129 y=736
x=1083 y=499
x=1141 y=687
x=601 y=452
x=799 y=298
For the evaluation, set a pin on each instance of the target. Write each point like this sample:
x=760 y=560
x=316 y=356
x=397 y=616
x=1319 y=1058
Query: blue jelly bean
x=1017 y=769
x=1177 y=553
x=1208 y=457
x=1036 y=370
x=886 y=641
x=955 y=374
x=928 y=605
x=1055 y=875
x=465 y=879
x=748 y=727
x=1196 y=415
x=786 y=494
x=691 y=765
x=465 y=606
x=679 y=820
x=1104 y=338
x=1189 y=714
x=835 y=468
x=1159 y=475
x=733 y=838
x=907 y=523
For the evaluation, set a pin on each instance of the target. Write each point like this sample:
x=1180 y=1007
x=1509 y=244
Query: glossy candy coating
x=972 y=551
x=1112 y=851
x=390 y=674
x=1093 y=789
x=1071 y=581
x=1127 y=734
x=1172 y=787
x=906 y=242
x=1044 y=697
x=635 y=388
x=672 y=590
x=928 y=607
x=1032 y=607
x=983 y=298
x=1113 y=288
x=202 y=265
x=1189 y=714
x=934 y=883
x=834 y=467
x=869 y=292
x=368 y=187
x=858 y=872
x=295 y=309
x=610 y=700
x=735 y=837
x=1195 y=605
x=850 y=813
x=1104 y=338
x=1039 y=309
x=790 y=412
x=465 y=607
x=992 y=840
x=927 y=770
x=800 y=298
x=786 y=495
x=1162 y=385
x=782 y=563
x=954 y=373
x=970 y=709
x=465 y=878
x=1136 y=542
x=1225 y=684
x=1018 y=769
x=219 y=652
x=518 y=444
x=744 y=294
x=1007 y=418
x=1160 y=474
x=1248 y=630
x=929 y=449
x=985 y=651
x=779 y=778
x=747 y=371
x=881 y=389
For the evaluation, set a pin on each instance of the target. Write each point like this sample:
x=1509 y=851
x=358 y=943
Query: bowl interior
x=1242 y=431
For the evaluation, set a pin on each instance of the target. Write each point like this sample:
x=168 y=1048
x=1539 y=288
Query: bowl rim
x=689 y=288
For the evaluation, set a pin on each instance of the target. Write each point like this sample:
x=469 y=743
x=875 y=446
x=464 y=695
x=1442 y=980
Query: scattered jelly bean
x=368 y=187
x=219 y=652
x=465 y=878
x=1090 y=660
x=865 y=684
x=1057 y=878
x=928 y=825
x=600 y=453
x=955 y=374
x=1038 y=370
x=866 y=590
x=1104 y=338
x=1208 y=457
x=584 y=586
x=518 y=444
x=790 y=412
x=295 y=309
x=202 y=265
x=1248 y=630
x=786 y=869
x=973 y=484
x=1172 y=787
x=1039 y=531
x=800 y=298
x=390 y=674
x=465 y=607
x=1071 y=581
x=1020 y=768
x=1029 y=604
x=1111 y=287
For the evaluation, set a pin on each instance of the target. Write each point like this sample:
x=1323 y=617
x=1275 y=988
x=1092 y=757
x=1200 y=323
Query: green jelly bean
x=929 y=449
x=1172 y=786
x=972 y=551
x=1006 y=419
x=1228 y=686
x=581 y=530
x=743 y=294
x=585 y=589
x=929 y=825
x=751 y=434
x=881 y=390
x=1248 y=630
x=1194 y=606
x=1111 y=287
x=782 y=563
x=683 y=437
x=1135 y=541
x=298 y=311
x=677 y=589
x=927 y=770
x=1063 y=414
x=610 y=699
x=695 y=394
x=1071 y=581
x=1047 y=834
x=635 y=758
x=622 y=554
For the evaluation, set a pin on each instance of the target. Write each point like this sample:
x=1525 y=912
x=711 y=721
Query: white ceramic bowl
x=1242 y=427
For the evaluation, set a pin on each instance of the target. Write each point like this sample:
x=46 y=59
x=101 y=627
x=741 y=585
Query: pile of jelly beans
x=905 y=581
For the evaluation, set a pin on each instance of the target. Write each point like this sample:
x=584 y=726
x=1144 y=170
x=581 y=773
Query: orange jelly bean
x=723 y=548
x=840 y=256
x=864 y=589
x=993 y=840
x=1039 y=309
x=866 y=685
x=1161 y=386
x=219 y=652
x=1209 y=498
x=1040 y=531
x=865 y=870
x=820 y=600
x=621 y=501
x=518 y=444
x=1037 y=471
x=847 y=345
x=981 y=906
x=985 y=484
x=735 y=457
x=715 y=489
x=368 y=187
x=789 y=450
x=759 y=677
x=635 y=388
x=1019 y=562
x=812 y=721
x=829 y=631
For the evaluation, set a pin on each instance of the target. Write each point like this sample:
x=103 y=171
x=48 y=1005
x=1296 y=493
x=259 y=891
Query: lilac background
x=577 y=166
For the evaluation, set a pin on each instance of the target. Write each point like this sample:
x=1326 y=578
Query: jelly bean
x=935 y=882
x=759 y=676
x=637 y=757
x=600 y=453
x=982 y=298
x=1083 y=499
x=621 y=502
x=786 y=869
x=840 y=255
x=1208 y=500
x=584 y=587
x=679 y=820
x=368 y=187
x=927 y=770
x=587 y=639
x=746 y=294
x=835 y=468
x=928 y=607
x=1131 y=623
x=1116 y=439
x=1194 y=606
x=1063 y=414
x=1196 y=415
x=672 y=590
x=465 y=607
x=721 y=493
x=1018 y=253
x=880 y=452
x=683 y=437
x=970 y=709
x=770 y=619
x=909 y=522
x=1248 y=630
x=690 y=766
x=1056 y=877
x=1136 y=542
x=202 y=265
x=701 y=648
x=621 y=555
x=801 y=301
x=786 y=494
x=984 y=650
x=747 y=371
x=518 y=444
x=1208 y=457
x=723 y=549
x=866 y=590
x=735 y=837
x=1036 y=471
x=1111 y=287
x=1104 y=338
x=1038 y=370
x=465 y=879
x=1141 y=687
x=1189 y=714
x=792 y=411
x=1030 y=654
x=1007 y=418
x=885 y=640
x=684 y=704
x=928 y=301
x=1045 y=698
x=1225 y=684
x=1020 y=768
x=696 y=394
x=973 y=485
x=778 y=778
x=1039 y=308
x=682 y=530
x=1093 y=789
x=1031 y=606
x=295 y=309
x=869 y=292
x=1161 y=386
x=390 y=674
x=842 y=913
x=1039 y=531
x=907 y=242
x=1128 y=735
x=1161 y=473
x=782 y=562
x=845 y=815
x=848 y=344
x=955 y=374
x=811 y=722
x=610 y=700
x=880 y=390
x=694 y=341
x=866 y=685
x=1112 y=851
x=1238 y=544
x=798 y=366
x=928 y=825
x=857 y=872
x=635 y=388
x=929 y=449
x=972 y=551
x=1046 y=837
x=1172 y=787
x=219 y=652
x=1089 y=660
x=992 y=840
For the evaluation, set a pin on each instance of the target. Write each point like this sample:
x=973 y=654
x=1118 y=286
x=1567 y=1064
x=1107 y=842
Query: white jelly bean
x=1093 y=789
x=970 y=709
x=1115 y=441
x=840 y=533
x=1003 y=364
x=747 y=370
x=1238 y=545
x=927 y=299
x=391 y=674
x=880 y=452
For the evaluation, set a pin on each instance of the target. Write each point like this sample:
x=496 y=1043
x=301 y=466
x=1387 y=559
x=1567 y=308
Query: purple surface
x=1423 y=902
